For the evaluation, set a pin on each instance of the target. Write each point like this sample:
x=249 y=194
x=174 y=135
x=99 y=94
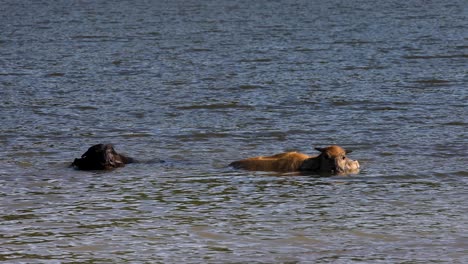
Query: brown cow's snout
x=338 y=168
x=342 y=165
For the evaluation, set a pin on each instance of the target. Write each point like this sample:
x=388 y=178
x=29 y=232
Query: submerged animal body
x=331 y=159
x=101 y=157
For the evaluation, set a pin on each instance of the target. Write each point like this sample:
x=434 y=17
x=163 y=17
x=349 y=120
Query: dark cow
x=101 y=157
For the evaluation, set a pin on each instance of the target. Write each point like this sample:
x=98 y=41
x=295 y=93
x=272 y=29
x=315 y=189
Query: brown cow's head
x=101 y=157
x=333 y=159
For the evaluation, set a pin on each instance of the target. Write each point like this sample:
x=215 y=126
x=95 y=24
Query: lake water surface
x=199 y=84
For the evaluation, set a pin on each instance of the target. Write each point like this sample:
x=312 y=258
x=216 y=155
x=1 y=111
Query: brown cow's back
x=282 y=162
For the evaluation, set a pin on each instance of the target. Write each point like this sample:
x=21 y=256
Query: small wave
x=55 y=74
x=98 y=38
x=250 y=86
x=88 y=37
x=85 y=107
x=199 y=50
x=256 y=60
x=461 y=173
x=215 y=106
x=374 y=106
x=364 y=68
x=356 y=42
x=13 y=74
x=427 y=57
x=130 y=72
x=177 y=82
x=196 y=136
x=136 y=135
x=432 y=81
x=455 y=123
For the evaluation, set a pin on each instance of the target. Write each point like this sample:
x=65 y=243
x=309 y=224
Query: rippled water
x=198 y=84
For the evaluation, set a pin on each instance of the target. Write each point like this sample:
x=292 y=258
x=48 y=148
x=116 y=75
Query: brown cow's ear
x=348 y=151
x=320 y=149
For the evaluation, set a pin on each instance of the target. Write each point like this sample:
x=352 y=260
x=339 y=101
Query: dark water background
x=202 y=83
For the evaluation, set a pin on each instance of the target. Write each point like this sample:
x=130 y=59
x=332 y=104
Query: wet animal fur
x=331 y=159
x=101 y=157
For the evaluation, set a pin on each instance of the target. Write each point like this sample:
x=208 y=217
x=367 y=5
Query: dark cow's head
x=101 y=157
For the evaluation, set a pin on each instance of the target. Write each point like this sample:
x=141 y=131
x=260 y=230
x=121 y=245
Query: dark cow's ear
x=320 y=149
x=348 y=151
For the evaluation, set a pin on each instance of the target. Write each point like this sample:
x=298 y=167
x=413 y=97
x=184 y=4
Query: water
x=199 y=84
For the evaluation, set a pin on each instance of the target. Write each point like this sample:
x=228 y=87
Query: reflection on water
x=234 y=216
x=200 y=84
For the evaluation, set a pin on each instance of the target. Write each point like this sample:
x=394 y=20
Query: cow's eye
x=344 y=157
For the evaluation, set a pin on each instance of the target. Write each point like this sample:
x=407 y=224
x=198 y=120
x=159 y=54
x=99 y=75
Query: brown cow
x=332 y=159
x=101 y=157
